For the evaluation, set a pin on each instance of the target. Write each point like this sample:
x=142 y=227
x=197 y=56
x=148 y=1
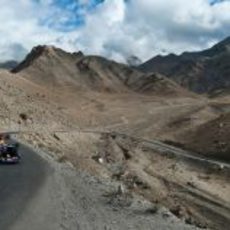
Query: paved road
x=169 y=149
x=18 y=184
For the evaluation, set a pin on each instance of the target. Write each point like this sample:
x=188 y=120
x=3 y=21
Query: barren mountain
x=57 y=68
x=201 y=72
x=133 y=61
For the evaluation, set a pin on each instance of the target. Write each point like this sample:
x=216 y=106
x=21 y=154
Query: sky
x=116 y=29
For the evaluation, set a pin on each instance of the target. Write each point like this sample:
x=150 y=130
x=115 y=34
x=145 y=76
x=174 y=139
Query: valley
x=131 y=126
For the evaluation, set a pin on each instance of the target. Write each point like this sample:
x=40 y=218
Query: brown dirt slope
x=211 y=139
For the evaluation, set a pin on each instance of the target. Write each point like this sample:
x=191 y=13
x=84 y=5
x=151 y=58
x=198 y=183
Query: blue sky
x=115 y=29
x=75 y=11
x=216 y=1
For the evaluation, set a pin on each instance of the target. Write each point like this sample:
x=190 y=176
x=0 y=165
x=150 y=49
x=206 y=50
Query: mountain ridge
x=9 y=65
x=56 y=67
x=201 y=72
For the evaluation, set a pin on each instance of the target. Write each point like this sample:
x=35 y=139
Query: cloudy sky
x=116 y=29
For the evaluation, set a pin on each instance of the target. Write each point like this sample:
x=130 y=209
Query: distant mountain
x=8 y=65
x=134 y=61
x=51 y=66
x=201 y=72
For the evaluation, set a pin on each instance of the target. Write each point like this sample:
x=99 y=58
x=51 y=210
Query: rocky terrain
x=180 y=184
x=215 y=142
x=201 y=72
x=95 y=114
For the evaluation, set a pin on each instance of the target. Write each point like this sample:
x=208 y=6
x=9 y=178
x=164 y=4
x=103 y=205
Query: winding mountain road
x=38 y=194
x=47 y=195
x=18 y=184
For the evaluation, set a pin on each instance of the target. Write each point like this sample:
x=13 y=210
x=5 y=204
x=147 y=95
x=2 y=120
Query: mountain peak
x=44 y=49
x=36 y=53
x=134 y=61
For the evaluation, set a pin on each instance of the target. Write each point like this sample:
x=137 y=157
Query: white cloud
x=115 y=28
x=148 y=27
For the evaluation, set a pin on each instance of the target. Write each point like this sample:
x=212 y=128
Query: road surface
x=174 y=151
x=18 y=184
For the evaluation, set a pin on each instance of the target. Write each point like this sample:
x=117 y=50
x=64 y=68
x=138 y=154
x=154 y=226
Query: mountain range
x=8 y=65
x=52 y=66
x=202 y=72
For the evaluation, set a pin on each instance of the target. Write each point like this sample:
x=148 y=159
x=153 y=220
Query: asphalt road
x=174 y=151
x=18 y=184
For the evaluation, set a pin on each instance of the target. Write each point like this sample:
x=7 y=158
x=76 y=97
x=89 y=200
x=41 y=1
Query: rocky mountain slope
x=57 y=68
x=211 y=139
x=201 y=72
